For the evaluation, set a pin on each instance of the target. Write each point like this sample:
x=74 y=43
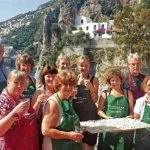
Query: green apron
x=142 y=138
x=70 y=120
x=116 y=107
x=30 y=90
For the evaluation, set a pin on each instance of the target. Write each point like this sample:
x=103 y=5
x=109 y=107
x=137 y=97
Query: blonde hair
x=81 y=58
x=16 y=74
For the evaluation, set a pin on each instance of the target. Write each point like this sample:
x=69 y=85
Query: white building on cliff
x=93 y=28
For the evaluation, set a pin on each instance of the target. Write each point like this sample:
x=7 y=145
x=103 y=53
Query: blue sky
x=11 y=8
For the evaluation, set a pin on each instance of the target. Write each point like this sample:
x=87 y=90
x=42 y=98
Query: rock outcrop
x=91 y=9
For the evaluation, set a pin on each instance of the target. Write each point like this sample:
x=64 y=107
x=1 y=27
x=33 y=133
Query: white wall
x=80 y=20
x=88 y=26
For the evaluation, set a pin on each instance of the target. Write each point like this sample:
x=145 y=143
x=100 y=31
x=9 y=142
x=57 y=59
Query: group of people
x=49 y=117
x=126 y=97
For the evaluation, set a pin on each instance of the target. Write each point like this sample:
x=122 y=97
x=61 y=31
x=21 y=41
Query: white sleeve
x=137 y=107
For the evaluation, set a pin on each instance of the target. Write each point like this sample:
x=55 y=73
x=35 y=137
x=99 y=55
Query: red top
x=23 y=134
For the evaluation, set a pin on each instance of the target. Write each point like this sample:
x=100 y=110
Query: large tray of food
x=113 y=125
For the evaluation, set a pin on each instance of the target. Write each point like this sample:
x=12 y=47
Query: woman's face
x=63 y=64
x=84 y=66
x=48 y=78
x=115 y=82
x=147 y=88
x=66 y=90
x=26 y=68
x=15 y=86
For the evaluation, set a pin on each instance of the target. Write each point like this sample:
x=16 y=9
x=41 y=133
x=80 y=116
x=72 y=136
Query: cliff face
x=91 y=9
x=66 y=10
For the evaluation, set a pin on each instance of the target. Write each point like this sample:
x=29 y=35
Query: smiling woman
x=13 y=122
x=25 y=64
x=85 y=99
x=116 y=103
x=59 y=119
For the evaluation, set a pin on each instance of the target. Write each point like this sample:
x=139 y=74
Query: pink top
x=23 y=134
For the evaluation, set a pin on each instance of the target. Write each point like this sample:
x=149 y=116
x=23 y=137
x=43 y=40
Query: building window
x=94 y=27
x=87 y=28
x=82 y=21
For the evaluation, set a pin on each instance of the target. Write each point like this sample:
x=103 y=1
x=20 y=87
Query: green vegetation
x=147 y=4
x=80 y=38
x=51 y=58
x=134 y=21
x=24 y=36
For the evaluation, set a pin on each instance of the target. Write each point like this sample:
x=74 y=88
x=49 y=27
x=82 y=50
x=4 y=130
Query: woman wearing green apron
x=142 y=112
x=60 y=120
x=115 y=103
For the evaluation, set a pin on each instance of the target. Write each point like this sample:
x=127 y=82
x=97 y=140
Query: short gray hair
x=60 y=57
x=133 y=56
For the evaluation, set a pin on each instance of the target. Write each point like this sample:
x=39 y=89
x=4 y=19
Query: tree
x=51 y=58
x=134 y=21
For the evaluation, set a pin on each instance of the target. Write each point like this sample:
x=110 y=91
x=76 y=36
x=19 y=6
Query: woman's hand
x=42 y=98
x=130 y=116
x=108 y=117
x=88 y=84
x=136 y=116
x=22 y=108
x=75 y=136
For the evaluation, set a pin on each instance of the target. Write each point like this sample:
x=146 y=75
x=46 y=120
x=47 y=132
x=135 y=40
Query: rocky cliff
x=24 y=30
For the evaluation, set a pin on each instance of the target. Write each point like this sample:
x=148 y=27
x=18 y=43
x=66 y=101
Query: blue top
x=3 y=77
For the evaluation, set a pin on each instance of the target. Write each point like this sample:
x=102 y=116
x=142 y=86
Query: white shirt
x=140 y=106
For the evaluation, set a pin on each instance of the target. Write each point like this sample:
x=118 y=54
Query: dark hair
x=47 y=70
x=24 y=59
